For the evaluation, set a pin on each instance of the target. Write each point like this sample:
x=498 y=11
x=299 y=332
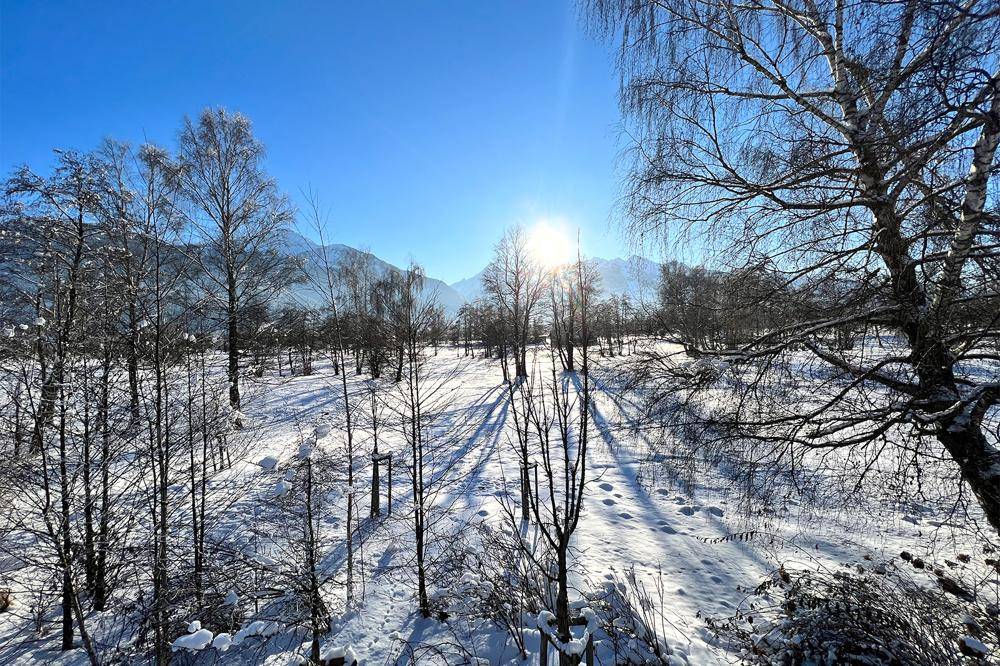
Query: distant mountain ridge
x=635 y=277
x=310 y=253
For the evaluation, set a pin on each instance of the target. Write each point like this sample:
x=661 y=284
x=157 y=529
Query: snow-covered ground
x=638 y=514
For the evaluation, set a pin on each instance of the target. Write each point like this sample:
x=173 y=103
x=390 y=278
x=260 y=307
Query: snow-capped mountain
x=470 y=288
x=311 y=255
x=635 y=277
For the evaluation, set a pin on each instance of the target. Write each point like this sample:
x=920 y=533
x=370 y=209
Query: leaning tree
x=848 y=149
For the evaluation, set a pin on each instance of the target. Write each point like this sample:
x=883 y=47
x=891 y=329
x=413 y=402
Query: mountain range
x=635 y=277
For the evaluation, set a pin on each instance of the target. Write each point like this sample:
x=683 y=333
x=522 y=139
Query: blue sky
x=426 y=127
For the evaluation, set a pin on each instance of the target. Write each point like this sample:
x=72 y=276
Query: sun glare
x=550 y=245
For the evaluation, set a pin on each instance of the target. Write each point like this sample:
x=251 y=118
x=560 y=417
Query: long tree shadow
x=689 y=553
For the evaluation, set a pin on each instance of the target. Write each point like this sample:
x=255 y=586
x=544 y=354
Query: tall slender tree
x=238 y=218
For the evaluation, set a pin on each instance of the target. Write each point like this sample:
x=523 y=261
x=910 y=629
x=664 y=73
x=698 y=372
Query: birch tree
x=851 y=145
x=237 y=215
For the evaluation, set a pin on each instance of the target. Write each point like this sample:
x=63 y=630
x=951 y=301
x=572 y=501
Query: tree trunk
x=67 y=549
x=979 y=464
x=89 y=554
x=132 y=358
x=100 y=581
x=562 y=602
x=234 y=347
x=193 y=478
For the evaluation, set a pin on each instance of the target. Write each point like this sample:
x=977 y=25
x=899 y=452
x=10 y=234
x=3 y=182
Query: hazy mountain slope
x=635 y=277
x=470 y=288
x=310 y=254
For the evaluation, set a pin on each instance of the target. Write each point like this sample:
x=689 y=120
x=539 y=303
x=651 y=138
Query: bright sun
x=550 y=245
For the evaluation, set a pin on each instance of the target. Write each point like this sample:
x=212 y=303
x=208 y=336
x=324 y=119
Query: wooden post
x=524 y=492
x=543 y=651
x=376 y=509
x=376 y=483
x=526 y=489
x=536 y=484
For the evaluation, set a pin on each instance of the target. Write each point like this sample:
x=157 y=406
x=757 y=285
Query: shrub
x=912 y=613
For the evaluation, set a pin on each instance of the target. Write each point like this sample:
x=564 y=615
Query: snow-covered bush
x=894 y=612
x=500 y=586
x=633 y=620
x=448 y=647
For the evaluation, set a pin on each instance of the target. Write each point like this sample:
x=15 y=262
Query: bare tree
x=237 y=215
x=571 y=287
x=552 y=414
x=57 y=213
x=436 y=438
x=331 y=290
x=414 y=317
x=517 y=283
x=839 y=144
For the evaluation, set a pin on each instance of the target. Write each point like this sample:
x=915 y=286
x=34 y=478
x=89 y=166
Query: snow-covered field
x=640 y=514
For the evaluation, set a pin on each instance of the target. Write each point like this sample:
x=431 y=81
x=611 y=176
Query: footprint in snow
x=668 y=529
x=687 y=510
x=606 y=486
x=715 y=511
x=484 y=513
x=626 y=516
x=608 y=502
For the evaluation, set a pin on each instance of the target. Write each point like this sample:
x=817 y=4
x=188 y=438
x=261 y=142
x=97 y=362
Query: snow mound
x=346 y=653
x=222 y=642
x=261 y=628
x=199 y=640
